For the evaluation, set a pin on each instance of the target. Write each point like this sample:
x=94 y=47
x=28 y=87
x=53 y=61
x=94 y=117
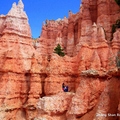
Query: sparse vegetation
x=58 y=50
x=115 y=26
x=118 y=60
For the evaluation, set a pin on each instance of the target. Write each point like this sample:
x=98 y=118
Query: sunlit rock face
x=32 y=76
x=17 y=73
x=71 y=32
x=86 y=42
x=16 y=21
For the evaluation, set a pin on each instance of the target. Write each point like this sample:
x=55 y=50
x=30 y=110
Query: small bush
x=58 y=50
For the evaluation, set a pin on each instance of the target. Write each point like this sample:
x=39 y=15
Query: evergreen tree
x=58 y=50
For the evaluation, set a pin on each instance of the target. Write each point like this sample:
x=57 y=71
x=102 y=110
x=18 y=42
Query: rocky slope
x=31 y=78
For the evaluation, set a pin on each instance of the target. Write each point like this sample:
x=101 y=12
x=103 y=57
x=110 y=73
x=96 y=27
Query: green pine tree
x=58 y=50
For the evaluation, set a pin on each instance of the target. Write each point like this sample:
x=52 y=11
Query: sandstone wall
x=31 y=78
x=77 y=27
x=16 y=53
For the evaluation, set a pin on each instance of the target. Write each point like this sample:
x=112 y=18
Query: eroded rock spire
x=20 y=4
x=14 y=21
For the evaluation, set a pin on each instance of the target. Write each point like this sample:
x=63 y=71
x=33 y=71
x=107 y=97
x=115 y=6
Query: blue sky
x=40 y=10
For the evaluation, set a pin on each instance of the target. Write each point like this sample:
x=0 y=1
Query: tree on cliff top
x=58 y=50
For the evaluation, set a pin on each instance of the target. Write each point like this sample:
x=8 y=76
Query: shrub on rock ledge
x=58 y=50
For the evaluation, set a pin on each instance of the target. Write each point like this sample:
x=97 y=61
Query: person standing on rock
x=64 y=88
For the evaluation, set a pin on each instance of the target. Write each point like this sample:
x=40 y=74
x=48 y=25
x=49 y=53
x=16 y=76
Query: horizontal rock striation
x=16 y=66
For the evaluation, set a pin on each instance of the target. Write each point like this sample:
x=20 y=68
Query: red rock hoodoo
x=31 y=78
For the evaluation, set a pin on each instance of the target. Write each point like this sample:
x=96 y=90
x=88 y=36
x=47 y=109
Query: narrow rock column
x=70 y=42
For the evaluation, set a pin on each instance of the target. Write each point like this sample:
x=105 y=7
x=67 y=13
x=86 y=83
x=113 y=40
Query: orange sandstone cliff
x=31 y=77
